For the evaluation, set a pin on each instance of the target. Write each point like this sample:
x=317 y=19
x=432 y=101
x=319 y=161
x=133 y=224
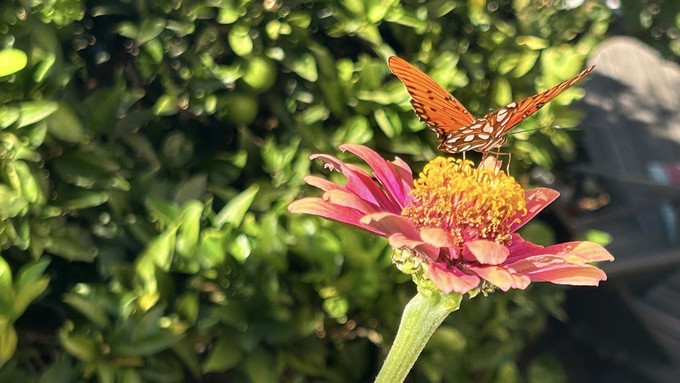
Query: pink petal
x=360 y=183
x=437 y=237
x=501 y=278
x=317 y=206
x=519 y=248
x=557 y=269
x=578 y=252
x=451 y=279
x=321 y=183
x=424 y=250
x=537 y=199
x=396 y=182
x=485 y=252
x=575 y=275
x=390 y=224
x=346 y=199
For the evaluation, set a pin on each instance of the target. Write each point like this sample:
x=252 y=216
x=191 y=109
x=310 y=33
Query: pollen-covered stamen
x=470 y=203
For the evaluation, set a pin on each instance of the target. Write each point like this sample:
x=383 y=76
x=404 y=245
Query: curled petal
x=450 y=279
x=566 y=274
x=579 y=252
x=395 y=177
x=501 y=277
x=537 y=199
x=557 y=269
x=360 y=183
x=485 y=252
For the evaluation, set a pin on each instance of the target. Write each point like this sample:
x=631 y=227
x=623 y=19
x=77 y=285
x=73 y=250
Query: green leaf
x=226 y=353
x=146 y=346
x=127 y=29
x=502 y=93
x=240 y=41
x=34 y=111
x=43 y=68
x=65 y=125
x=27 y=294
x=532 y=42
x=11 y=204
x=160 y=250
x=229 y=13
x=30 y=284
x=11 y=61
x=73 y=243
x=240 y=248
x=189 y=228
x=389 y=122
x=527 y=61
x=8 y=341
x=27 y=183
x=304 y=66
x=90 y=308
x=234 y=211
x=81 y=199
x=6 y=287
x=81 y=346
x=212 y=247
x=166 y=105
x=192 y=188
x=150 y=29
x=258 y=366
x=8 y=115
x=356 y=129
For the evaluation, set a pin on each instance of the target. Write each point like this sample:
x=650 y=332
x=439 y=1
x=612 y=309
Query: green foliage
x=655 y=22
x=148 y=151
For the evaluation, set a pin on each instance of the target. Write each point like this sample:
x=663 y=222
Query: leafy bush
x=149 y=150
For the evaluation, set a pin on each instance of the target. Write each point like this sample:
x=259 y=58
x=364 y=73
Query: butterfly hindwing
x=431 y=102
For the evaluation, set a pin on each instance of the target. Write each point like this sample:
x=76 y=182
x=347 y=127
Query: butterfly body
x=457 y=130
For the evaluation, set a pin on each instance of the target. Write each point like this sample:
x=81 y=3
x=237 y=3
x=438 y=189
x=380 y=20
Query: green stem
x=422 y=316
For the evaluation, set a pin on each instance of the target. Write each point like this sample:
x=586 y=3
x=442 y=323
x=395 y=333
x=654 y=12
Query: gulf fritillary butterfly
x=457 y=130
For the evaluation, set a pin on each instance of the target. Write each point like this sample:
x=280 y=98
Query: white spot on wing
x=500 y=116
x=487 y=128
x=469 y=138
x=483 y=136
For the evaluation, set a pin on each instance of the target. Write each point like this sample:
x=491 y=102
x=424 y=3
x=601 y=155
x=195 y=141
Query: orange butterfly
x=457 y=130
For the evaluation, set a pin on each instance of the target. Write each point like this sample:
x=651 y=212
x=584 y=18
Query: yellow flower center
x=470 y=203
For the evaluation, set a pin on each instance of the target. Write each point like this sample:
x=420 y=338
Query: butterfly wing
x=514 y=113
x=432 y=103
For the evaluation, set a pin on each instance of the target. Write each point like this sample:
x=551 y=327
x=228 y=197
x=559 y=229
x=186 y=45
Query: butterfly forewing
x=432 y=103
x=514 y=113
x=457 y=130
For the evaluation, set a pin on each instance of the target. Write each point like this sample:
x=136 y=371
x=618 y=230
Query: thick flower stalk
x=454 y=228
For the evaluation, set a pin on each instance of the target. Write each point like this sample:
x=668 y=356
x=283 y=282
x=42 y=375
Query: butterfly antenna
x=541 y=128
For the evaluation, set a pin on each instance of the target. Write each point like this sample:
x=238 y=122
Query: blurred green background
x=149 y=149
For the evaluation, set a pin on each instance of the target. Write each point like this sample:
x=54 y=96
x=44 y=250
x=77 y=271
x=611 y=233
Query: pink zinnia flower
x=455 y=226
